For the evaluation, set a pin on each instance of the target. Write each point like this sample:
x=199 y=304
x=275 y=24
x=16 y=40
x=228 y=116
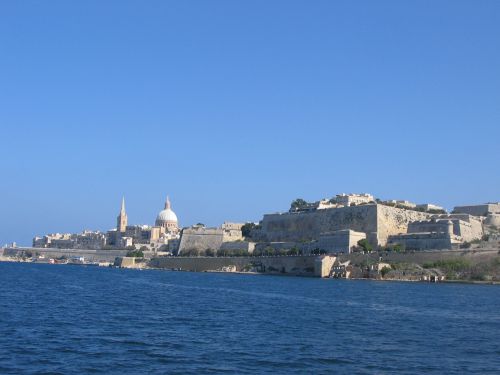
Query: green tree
x=398 y=248
x=248 y=228
x=298 y=204
x=365 y=245
x=384 y=271
x=135 y=254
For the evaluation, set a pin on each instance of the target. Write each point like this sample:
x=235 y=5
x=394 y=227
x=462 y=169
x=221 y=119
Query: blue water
x=74 y=320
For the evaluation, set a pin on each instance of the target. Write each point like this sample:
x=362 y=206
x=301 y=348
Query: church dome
x=166 y=216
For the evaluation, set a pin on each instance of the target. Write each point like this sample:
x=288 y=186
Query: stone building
x=167 y=219
x=122 y=219
x=340 y=241
x=354 y=199
x=440 y=232
x=85 y=240
x=478 y=209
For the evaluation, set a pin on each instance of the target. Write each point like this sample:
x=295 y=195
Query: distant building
x=122 y=218
x=430 y=207
x=167 y=219
x=478 y=209
x=354 y=199
x=340 y=241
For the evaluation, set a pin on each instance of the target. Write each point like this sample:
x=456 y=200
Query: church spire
x=122 y=219
x=122 y=210
x=167 y=203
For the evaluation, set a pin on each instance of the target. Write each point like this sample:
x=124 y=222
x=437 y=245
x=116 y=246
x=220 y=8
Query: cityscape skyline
x=234 y=120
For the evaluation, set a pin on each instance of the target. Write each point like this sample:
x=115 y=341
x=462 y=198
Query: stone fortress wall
x=89 y=255
x=296 y=265
x=201 y=238
x=478 y=209
x=376 y=220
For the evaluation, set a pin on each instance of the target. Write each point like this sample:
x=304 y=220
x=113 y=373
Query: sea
x=61 y=319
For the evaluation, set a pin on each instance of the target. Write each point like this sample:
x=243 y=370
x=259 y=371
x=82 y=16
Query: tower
x=121 y=220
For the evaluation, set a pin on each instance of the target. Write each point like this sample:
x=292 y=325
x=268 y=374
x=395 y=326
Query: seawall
x=89 y=255
x=291 y=265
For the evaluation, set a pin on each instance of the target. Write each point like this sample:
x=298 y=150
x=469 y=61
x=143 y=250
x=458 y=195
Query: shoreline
x=472 y=282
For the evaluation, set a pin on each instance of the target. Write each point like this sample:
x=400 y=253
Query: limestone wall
x=294 y=265
x=306 y=226
x=89 y=255
x=238 y=245
x=422 y=241
x=391 y=220
x=493 y=219
x=340 y=241
x=323 y=265
x=377 y=221
x=478 y=209
x=200 y=239
x=421 y=257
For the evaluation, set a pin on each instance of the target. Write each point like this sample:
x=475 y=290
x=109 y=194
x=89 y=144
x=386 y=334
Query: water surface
x=74 y=319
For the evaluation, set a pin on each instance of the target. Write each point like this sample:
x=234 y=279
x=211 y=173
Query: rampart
x=89 y=255
x=376 y=220
x=291 y=265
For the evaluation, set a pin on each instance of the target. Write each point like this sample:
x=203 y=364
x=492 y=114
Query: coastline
x=4 y=259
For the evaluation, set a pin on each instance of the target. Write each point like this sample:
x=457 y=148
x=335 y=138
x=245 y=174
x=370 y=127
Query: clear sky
x=235 y=108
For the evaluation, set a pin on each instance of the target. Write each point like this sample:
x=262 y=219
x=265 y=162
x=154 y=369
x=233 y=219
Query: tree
x=398 y=248
x=298 y=204
x=135 y=254
x=248 y=228
x=384 y=271
x=293 y=251
x=365 y=245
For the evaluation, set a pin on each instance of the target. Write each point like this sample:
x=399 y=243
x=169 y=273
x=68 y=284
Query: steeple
x=122 y=219
x=167 y=203
x=122 y=210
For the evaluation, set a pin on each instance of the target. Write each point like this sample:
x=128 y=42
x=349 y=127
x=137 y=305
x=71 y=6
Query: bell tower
x=121 y=220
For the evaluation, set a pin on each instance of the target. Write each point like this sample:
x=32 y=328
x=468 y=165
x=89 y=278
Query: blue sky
x=235 y=108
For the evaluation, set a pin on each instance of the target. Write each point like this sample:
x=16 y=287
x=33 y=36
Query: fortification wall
x=306 y=226
x=479 y=209
x=294 y=265
x=422 y=241
x=421 y=257
x=200 y=240
x=391 y=220
x=89 y=255
x=238 y=245
x=377 y=221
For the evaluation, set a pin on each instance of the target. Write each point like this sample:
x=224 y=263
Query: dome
x=166 y=215
x=167 y=218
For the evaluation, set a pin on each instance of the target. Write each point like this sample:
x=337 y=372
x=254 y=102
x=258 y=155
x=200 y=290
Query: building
x=340 y=241
x=122 y=219
x=478 y=209
x=401 y=203
x=440 y=232
x=167 y=219
x=354 y=199
x=430 y=207
x=92 y=240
